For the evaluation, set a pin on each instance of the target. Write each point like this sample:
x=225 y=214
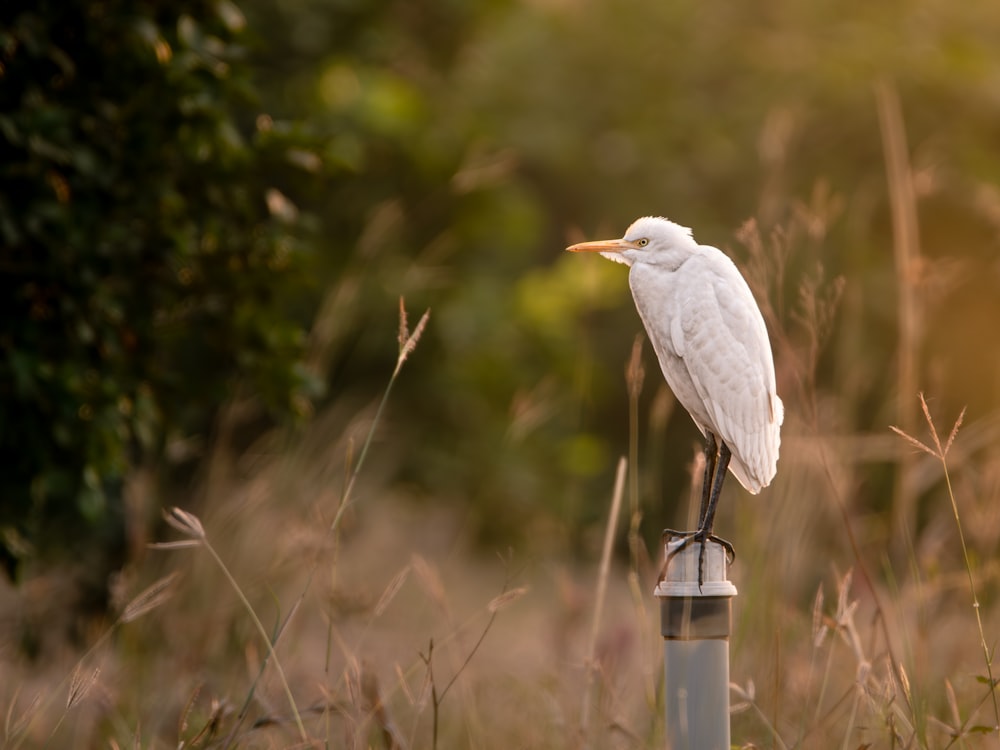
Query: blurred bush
x=143 y=248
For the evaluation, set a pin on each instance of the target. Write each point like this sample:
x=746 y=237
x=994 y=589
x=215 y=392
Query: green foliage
x=141 y=249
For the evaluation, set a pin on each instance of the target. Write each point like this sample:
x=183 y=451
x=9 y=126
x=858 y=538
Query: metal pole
x=695 y=622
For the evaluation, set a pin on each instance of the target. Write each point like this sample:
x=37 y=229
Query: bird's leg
x=708 y=517
x=713 y=484
x=704 y=534
x=711 y=454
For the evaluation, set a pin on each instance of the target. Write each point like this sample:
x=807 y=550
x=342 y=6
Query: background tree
x=144 y=254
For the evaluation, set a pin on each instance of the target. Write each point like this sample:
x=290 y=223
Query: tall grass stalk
x=819 y=633
x=407 y=343
x=635 y=375
x=748 y=699
x=906 y=249
x=602 y=587
x=189 y=525
x=940 y=452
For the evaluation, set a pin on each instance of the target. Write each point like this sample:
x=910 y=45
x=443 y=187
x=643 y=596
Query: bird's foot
x=701 y=536
x=690 y=537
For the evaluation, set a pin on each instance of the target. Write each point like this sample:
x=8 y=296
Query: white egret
x=713 y=348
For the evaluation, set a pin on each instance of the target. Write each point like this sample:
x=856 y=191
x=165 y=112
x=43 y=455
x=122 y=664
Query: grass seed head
x=80 y=685
x=508 y=597
x=150 y=598
x=184 y=522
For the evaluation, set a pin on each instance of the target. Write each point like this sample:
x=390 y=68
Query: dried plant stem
x=348 y=497
x=407 y=343
x=987 y=657
x=602 y=587
x=940 y=452
x=749 y=700
x=906 y=246
x=635 y=374
x=190 y=525
x=263 y=634
x=827 y=672
x=859 y=564
x=505 y=597
x=852 y=720
x=775 y=735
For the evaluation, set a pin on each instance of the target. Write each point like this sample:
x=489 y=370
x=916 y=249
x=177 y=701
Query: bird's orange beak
x=602 y=246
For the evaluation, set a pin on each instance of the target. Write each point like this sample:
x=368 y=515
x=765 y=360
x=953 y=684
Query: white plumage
x=713 y=348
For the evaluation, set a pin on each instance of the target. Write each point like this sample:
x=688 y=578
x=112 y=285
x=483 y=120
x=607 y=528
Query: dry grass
x=405 y=621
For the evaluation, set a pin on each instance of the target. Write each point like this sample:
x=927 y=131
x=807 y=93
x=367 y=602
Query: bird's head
x=651 y=239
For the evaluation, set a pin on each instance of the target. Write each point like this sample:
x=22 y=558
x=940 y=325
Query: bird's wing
x=725 y=349
x=656 y=294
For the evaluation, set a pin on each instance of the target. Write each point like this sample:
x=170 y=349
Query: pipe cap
x=680 y=579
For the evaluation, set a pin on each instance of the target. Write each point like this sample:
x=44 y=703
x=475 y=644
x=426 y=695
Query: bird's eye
x=642 y=243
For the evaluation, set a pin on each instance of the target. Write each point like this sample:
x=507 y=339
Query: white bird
x=713 y=348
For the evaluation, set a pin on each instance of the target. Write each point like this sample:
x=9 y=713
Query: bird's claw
x=688 y=538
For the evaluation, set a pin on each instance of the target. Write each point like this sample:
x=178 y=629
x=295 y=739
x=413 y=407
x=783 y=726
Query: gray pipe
x=696 y=622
